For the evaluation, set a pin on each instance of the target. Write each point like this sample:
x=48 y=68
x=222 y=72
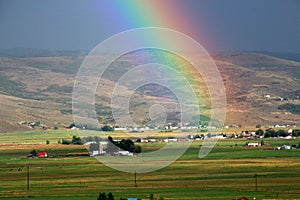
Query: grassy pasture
x=226 y=173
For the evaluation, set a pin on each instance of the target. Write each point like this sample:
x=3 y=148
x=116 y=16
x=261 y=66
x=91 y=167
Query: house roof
x=40 y=154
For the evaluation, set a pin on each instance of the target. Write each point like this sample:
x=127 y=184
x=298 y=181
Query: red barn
x=42 y=154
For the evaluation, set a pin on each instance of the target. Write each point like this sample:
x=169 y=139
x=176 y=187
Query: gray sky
x=246 y=25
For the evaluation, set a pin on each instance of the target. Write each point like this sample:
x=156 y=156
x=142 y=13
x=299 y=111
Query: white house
x=125 y=153
x=94 y=153
x=120 y=129
x=285 y=147
x=218 y=137
x=171 y=140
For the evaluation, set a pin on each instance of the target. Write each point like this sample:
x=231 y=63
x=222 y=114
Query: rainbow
x=123 y=15
x=173 y=14
x=150 y=46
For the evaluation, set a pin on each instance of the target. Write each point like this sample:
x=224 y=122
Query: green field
x=226 y=173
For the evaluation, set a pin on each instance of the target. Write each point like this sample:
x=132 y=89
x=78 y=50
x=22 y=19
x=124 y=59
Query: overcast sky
x=245 y=25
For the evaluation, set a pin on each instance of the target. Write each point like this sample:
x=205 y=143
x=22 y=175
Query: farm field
x=228 y=172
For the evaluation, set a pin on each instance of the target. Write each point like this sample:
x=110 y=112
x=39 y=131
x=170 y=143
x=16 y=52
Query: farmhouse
x=95 y=148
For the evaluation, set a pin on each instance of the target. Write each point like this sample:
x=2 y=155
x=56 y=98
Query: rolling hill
x=40 y=89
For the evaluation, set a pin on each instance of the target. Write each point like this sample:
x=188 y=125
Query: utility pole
x=135 y=183
x=28 y=178
x=255 y=176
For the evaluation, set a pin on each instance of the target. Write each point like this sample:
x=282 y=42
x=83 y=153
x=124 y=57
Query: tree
x=267 y=134
x=296 y=132
x=282 y=133
x=137 y=149
x=76 y=140
x=126 y=145
x=107 y=128
x=259 y=132
x=110 y=196
x=102 y=196
x=64 y=141
x=151 y=197
x=34 y=152
x=270 y=133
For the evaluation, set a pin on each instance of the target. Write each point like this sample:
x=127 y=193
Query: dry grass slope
x=40 y=89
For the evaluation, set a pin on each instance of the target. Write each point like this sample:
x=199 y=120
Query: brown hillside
x=40 y=89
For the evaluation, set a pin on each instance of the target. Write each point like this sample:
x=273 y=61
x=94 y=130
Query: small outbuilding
x=253 y=144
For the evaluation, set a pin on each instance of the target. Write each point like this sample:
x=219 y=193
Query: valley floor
x=228 y=172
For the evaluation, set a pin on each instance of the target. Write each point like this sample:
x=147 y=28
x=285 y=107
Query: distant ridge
x=282 y=55
x=31 y=52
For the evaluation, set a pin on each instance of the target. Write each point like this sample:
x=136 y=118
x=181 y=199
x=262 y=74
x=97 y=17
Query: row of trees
x=103 y=196
x=92 y=127
x=124 y=144
x=110 y=196
x=277 y=133
x=75 y=140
